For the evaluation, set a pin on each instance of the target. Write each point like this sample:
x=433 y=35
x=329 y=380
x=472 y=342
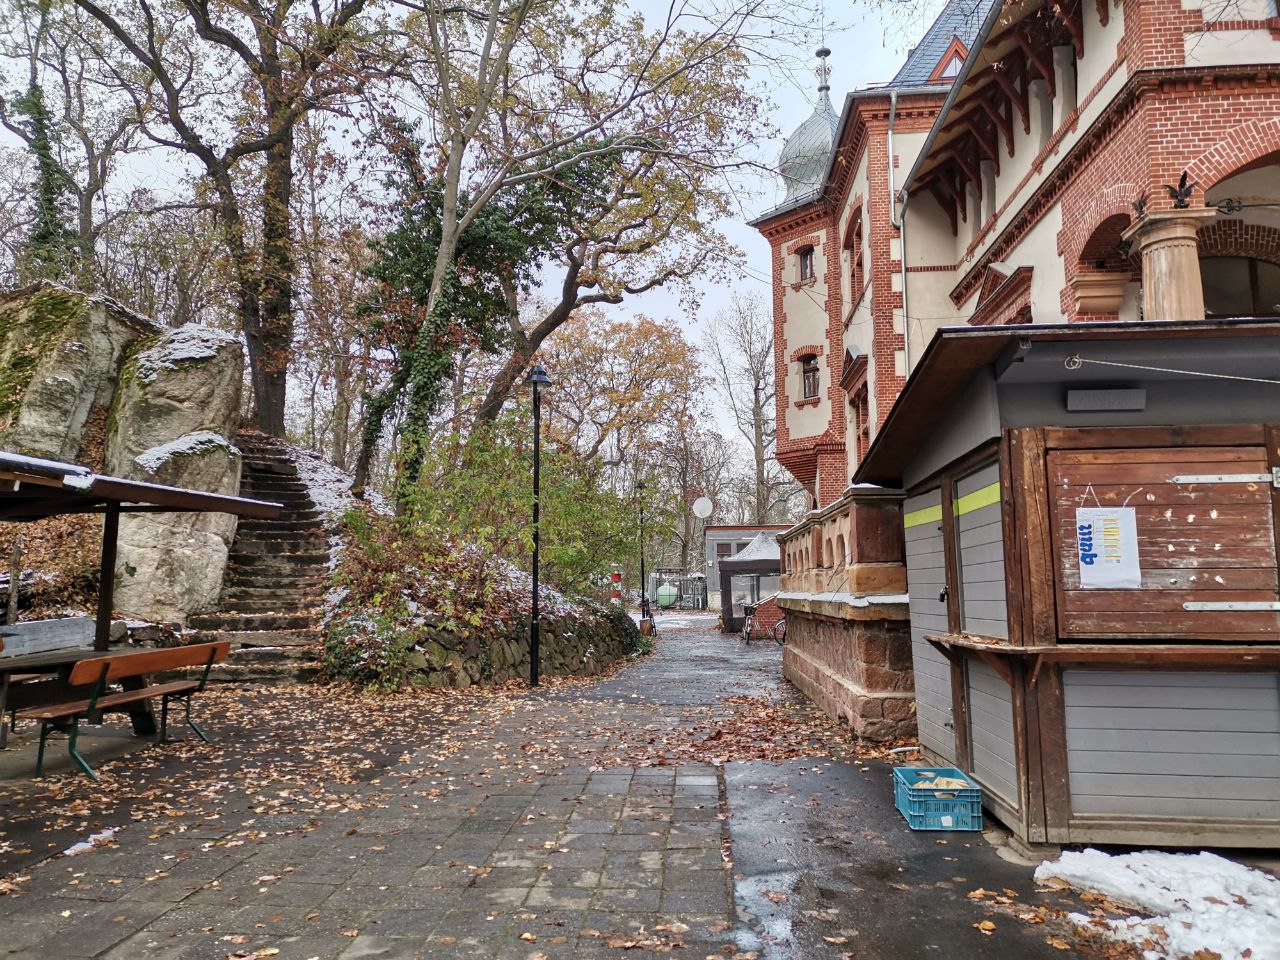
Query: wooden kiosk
x=1091 y=529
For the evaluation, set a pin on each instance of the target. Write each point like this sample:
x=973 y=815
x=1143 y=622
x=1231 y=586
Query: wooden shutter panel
x=1206 y=538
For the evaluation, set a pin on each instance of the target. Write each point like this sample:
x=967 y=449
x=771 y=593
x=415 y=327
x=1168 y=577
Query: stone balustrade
x=843 y=587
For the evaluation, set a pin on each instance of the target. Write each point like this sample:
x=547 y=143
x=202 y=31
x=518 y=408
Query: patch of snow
x=153 y=459
x=330 y=487
x=550 y=600
x=763 y=547
x=191 y=341
x=93 y=840
x=1196 y=901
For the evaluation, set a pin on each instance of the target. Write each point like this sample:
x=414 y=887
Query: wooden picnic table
x=58 y=664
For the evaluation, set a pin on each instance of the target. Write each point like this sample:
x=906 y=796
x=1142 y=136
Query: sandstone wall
x=855 y=670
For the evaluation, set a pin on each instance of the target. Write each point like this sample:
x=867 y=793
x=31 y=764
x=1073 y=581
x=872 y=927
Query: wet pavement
x=531 y=826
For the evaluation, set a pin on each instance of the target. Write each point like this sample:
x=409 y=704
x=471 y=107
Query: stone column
x=1166 y=239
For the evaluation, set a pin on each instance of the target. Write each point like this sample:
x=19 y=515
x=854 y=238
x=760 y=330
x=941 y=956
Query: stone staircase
x=276 y=576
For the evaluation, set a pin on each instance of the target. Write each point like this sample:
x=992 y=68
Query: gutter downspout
x=899 y=222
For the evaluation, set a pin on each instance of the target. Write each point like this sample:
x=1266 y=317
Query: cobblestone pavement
x=509 y=836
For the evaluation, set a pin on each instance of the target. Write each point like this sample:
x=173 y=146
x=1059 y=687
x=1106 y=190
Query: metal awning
x=32 y=488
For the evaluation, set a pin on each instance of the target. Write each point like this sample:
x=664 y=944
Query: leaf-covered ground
x=644 y=812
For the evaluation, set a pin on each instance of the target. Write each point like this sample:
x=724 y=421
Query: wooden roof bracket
x=1016 y=97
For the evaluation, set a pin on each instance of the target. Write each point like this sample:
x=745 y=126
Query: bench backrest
x=40 y=636
x=124 y=665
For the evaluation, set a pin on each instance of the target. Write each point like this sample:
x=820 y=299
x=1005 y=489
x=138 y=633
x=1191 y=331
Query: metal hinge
x=1212 y=605
x=1272 y=478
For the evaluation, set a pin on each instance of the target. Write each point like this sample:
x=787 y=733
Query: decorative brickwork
x=858 y=671
x=1235 y=238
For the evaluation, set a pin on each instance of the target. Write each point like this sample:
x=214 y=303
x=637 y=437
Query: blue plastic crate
x=933 y=809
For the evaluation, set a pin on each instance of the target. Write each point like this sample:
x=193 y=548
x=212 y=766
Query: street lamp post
x=644 y=583
x=537 y=379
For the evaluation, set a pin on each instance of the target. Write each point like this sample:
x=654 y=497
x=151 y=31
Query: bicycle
x=750 y=626
x=779 y=632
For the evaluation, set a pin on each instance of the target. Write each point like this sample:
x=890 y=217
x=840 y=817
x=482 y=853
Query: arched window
x=840 y=554
x=809 y=376
x=1240 y=287
x=806 y=263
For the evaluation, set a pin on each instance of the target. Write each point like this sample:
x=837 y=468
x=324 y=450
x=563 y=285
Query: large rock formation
x=60 y=356
x=188 y=380
x=178 y=402
x=170 y=565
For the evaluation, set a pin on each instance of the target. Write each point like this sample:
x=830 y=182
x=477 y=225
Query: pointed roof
x=960 y=21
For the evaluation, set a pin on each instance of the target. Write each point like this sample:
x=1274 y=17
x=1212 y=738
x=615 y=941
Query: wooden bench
x=99 y=673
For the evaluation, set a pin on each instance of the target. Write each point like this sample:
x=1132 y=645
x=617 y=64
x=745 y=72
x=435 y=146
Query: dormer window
x=806 y=263
x=949 y=64
x=809 y=376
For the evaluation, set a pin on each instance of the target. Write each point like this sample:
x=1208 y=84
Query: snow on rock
x=152 y=459
x=1196 y=901
x=189 y=342
x=330 y=487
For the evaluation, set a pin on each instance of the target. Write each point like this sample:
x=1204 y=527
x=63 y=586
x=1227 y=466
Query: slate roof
x=959 y=18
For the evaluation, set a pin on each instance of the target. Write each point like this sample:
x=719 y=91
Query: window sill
x=808 y=402
x=812 y=281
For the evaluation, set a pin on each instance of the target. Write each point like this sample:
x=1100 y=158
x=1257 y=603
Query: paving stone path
x=508 y=835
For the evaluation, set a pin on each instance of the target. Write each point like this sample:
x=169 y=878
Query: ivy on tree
x=50 y=249
x=497 y=259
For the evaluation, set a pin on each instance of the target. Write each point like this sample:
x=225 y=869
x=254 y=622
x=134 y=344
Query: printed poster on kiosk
x=1107 y=548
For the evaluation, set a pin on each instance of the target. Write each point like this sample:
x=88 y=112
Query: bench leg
x=191 y=723
x=164 y=719
x=45 y=727
x=75 y=754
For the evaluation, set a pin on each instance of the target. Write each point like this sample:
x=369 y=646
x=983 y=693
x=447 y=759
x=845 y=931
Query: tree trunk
x=275 y=334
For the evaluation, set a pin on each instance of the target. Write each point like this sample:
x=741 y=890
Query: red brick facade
x=821 y=461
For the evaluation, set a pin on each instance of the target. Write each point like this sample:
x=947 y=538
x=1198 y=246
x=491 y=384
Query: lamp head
x=537 y=376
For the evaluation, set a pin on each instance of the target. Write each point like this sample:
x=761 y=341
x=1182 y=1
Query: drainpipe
x=900 y=222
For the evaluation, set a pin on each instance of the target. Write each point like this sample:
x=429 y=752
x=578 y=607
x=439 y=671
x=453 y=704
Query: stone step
x=284 y=665
x=318 y=557
x=258 y=638
x=270 y=532
x=300 y=604
x=266 y=620
x=280 y=525
x=261 y=465
x=276 y=578
x=307 y=592
x=305 y=545
x=285 y=490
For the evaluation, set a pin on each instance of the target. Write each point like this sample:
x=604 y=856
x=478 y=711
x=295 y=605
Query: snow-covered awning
x=32 y=488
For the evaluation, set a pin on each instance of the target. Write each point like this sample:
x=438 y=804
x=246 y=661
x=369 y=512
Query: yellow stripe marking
x=917 y=517
x=978 y=499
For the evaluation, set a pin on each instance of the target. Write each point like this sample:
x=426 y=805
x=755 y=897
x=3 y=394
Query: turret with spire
x=803 y=162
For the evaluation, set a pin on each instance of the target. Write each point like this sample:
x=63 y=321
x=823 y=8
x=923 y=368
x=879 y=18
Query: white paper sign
x=1107 y=548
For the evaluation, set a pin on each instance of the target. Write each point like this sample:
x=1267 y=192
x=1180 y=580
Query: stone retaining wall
x=857 y=670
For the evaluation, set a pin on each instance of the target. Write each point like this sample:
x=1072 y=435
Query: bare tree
x=282 y=60
x=739 y=346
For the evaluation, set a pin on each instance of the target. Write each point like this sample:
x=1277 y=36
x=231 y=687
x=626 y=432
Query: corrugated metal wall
x=991 y=731
x=926 y=576
x=1166 y=743
x=977 y=501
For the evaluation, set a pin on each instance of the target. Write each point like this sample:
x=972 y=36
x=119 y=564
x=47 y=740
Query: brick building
x=1024 y=166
